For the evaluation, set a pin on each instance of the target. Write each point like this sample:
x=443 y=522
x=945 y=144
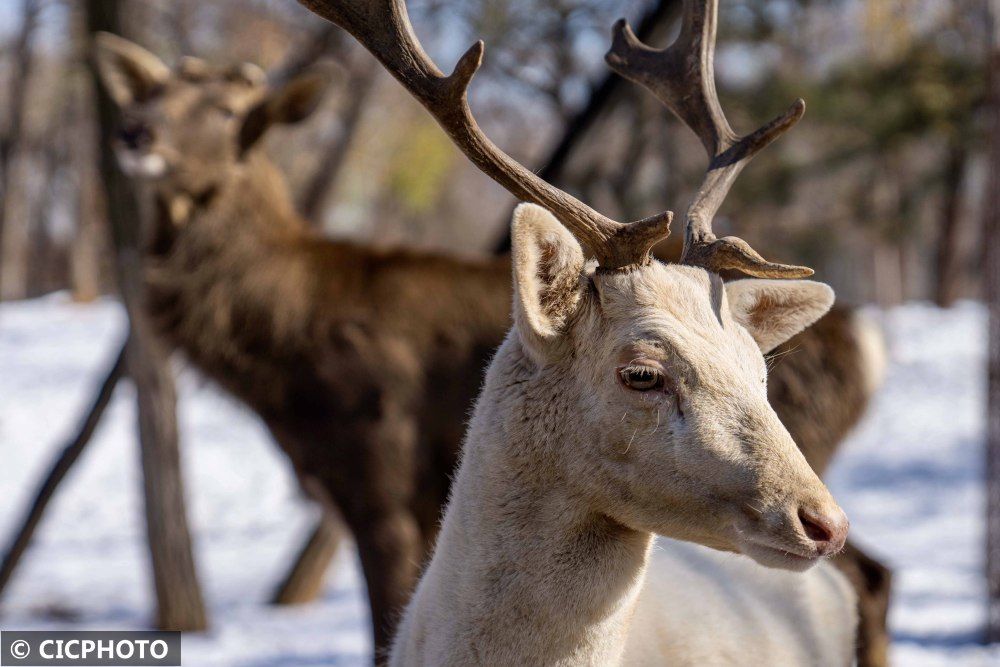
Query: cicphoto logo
x=90 y=648
x=20 y=649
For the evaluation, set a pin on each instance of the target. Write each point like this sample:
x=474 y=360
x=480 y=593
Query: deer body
x=360 y=362
x=757 y=616
x=248 y=292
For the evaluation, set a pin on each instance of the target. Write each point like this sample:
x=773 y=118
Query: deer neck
x=524 y=572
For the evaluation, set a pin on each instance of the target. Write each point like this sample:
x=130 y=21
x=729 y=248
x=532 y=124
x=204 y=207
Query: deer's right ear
x=293 y=102
x=547 y=262
x=129 y=72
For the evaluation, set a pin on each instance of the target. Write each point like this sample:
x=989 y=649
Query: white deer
x=628 y=401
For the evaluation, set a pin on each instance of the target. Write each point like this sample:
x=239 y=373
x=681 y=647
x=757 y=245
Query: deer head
x=661 y=365
x=189 y=129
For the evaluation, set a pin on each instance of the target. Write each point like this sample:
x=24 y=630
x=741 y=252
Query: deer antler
x=383 y=27
x=682 y=77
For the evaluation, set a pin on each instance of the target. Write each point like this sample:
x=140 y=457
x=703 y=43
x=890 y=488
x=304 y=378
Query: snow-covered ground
x=910 y=478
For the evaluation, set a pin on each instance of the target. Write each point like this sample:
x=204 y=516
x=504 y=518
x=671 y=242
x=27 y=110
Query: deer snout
x=825 y=527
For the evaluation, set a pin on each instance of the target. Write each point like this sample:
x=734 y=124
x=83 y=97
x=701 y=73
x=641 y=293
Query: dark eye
x=641 y=378
x=227 y=112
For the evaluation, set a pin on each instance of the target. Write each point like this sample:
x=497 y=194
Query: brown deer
x=629 y=400
x=362 y=363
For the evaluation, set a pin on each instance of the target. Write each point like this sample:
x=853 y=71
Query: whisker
x=631 y=440
x=774 y=358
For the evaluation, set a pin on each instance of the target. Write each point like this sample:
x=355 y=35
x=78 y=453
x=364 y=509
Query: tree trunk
x=16 y=216
x=85 y=253
x=324 y=178
x=304 y=582
x=14 y=240
x=179 y=600
x=991 y=278
x=62 y=465
x=947 y=267
x=89 y=244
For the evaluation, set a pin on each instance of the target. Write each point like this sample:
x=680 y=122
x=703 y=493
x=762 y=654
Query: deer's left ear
x=291 y=103
x=548 y=264
x=775 y=310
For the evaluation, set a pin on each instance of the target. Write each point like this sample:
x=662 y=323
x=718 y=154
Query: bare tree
x=179 y=600
x=317 y=189
x=991 y=278
x=330 y=41
x=14 y=231
x=947 y=262
x=60 y=468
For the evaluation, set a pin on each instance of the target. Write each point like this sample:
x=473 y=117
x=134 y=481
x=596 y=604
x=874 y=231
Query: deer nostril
x=817 y=529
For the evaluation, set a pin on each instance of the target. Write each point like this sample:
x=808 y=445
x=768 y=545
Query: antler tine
x=682 y=76
x=383 y=27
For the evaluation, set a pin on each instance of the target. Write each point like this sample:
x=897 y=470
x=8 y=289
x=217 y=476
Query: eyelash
x=660 y=383
x=641 y=378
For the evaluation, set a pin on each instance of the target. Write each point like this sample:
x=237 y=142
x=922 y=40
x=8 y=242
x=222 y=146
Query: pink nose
x=828 y=530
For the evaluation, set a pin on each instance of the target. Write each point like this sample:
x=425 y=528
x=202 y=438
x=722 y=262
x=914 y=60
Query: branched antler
x=682 y=77
x=383 y=27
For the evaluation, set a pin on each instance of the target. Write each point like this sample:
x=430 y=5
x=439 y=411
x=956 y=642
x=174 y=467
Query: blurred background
x=880 y=187
x=883 y=188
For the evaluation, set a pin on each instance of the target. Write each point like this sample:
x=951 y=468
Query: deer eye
x=641 y=378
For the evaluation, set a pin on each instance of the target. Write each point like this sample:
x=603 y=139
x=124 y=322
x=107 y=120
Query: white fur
x=721 y=609
x=544 y=553
x=140 y=165
x=775 y=310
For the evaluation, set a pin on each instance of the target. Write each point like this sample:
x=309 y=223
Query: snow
x=910 y=478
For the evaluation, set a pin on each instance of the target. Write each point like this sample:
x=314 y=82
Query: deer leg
x=374 y=489
x=390 y=548
x=872 y=582
x=304 y=581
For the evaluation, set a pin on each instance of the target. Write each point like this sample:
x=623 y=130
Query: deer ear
x=129 y=72
x=775 y=310
x=291 y=103
x=548 y=263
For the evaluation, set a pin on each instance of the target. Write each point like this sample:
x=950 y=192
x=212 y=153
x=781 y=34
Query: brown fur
x=819 y=419
x=364 y=363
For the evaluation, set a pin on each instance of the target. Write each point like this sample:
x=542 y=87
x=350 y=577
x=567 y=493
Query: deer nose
x=826 y=528
x=136 y=135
